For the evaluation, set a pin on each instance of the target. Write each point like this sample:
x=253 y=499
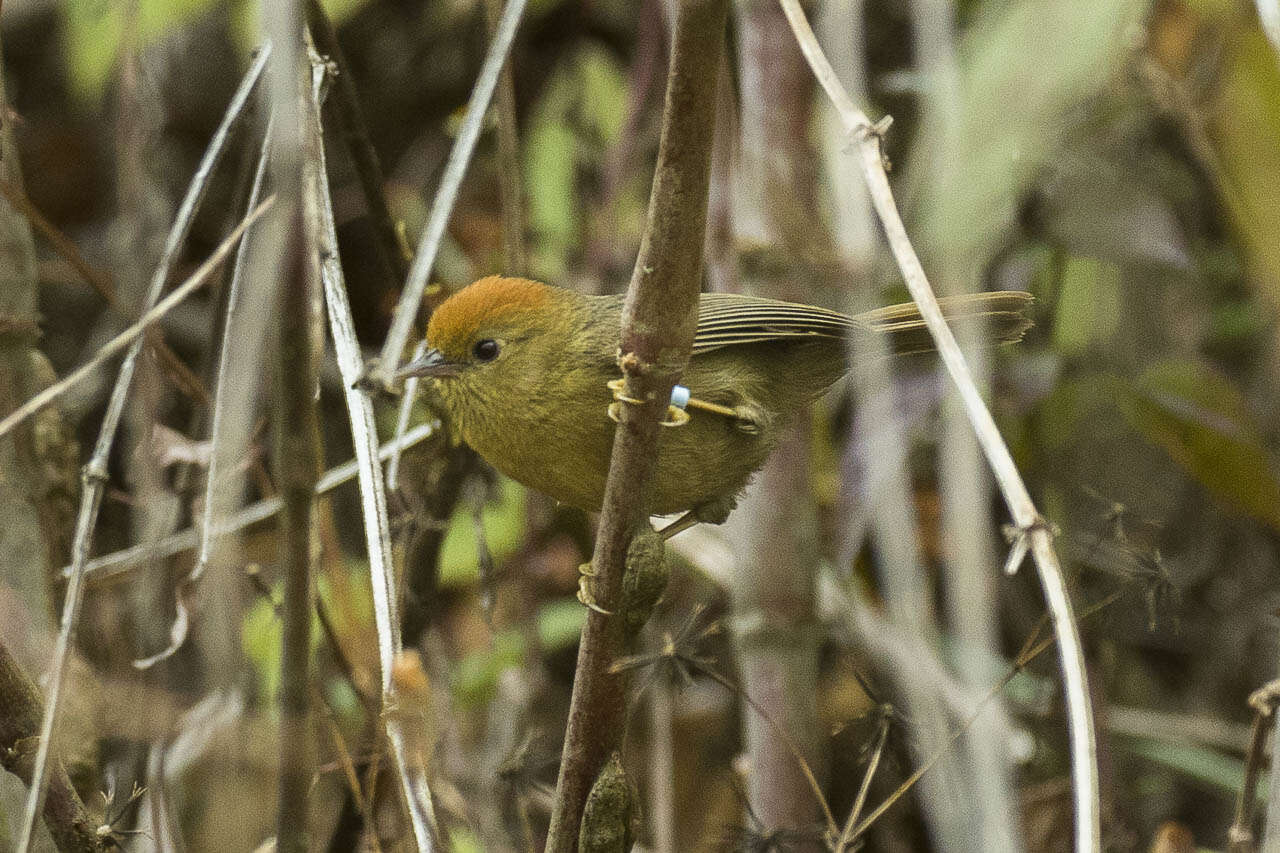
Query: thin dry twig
x=658 y=320
x=1031 y=649
x=133 y=333
x=183 y=377
x=182 y=618
x=846 y=837
x=364 y=434
x=1240 y=837
x=455 y=169
x=679 y=658
x=355 y=133
x=95 y=474
x=1033 y=529
x=112 y=567
x=509 y=183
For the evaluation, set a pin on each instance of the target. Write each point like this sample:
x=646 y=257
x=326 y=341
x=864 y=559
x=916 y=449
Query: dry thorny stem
x=679 y=657
x=1263 y=701
x=1035 y=535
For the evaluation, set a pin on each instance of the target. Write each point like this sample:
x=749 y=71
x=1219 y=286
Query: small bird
x=525 y=369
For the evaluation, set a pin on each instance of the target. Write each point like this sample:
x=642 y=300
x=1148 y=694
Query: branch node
x=1265 y=699
x=633 y=365
x=94 y=472
x=1019 y=538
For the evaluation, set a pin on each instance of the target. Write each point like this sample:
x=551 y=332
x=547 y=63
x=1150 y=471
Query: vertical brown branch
x=658 y=322
x=297 y=462
x=355 y=134
x=776 y=521
x=297 y=457
x=509 y=178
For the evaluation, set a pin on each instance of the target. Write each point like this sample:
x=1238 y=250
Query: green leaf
x=463 y=840
x=260 y=639
x=578 y=117
x=1196 y=762
x=95 y=30
x=560 y=623
x=1201 y=420
x=261 y=635
x=1089 y=304
x=1244 y=128
x=475 y=677
x=503 y=522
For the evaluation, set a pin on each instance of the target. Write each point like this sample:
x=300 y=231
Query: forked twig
x=1034 y=531
x=846 y=836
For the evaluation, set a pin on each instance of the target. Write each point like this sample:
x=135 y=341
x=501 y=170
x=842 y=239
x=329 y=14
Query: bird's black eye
x=485 y=350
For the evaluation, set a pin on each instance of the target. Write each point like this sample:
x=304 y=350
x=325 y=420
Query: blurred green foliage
x=475 y=675
x=1200 y=419
x=503 y=520
x=577 y=119
x=96 y=33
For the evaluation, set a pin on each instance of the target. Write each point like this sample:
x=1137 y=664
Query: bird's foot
x=586 y=589
x=643 y=581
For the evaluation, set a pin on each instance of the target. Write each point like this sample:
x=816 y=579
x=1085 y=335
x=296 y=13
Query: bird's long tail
x=1004 y=314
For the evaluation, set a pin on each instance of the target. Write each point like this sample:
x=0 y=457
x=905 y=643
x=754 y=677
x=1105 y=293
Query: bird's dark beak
x=432 y=364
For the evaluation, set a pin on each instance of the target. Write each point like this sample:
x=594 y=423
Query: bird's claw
x=586 y=592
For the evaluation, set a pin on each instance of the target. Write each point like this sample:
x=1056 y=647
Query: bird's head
x=489 y=336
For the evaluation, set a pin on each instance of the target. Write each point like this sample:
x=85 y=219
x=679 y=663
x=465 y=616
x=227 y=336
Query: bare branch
x=509 y=178
x=658 y=322
x=298 y=456
x=68 y=821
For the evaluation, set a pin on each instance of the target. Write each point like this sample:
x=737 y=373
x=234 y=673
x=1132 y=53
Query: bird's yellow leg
x=716 y=408
x=680 y=525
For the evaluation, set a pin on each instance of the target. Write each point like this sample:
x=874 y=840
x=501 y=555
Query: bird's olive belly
x=706 y=459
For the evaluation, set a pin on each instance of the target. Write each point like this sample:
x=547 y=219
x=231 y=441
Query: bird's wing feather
x=726 y=319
